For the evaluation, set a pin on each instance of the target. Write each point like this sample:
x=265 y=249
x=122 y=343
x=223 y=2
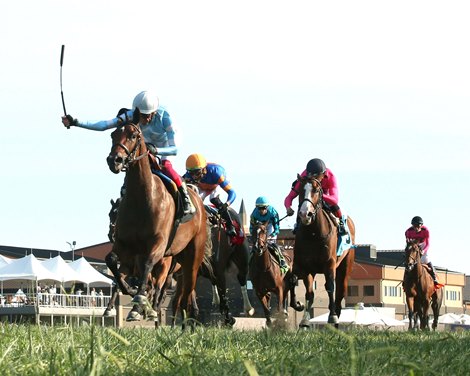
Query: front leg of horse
x=330 y=289
x=291 y=282
x=112 y=302
x=111 y=260
x=309 y=297
x=264 y=299
x=222 y=289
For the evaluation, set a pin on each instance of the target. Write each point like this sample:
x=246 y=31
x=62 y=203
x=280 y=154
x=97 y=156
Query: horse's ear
x=136 y=116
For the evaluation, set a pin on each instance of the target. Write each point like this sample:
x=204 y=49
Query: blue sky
x=379 y=91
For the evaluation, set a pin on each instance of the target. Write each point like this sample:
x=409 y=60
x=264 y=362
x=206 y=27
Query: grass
x=42 y=350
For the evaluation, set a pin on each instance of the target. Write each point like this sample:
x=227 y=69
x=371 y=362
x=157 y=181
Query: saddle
x=214 y=217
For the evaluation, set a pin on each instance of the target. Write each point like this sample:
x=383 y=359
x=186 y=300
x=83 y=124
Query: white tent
x=4 y=261
x=364 y=316
x=28 y=267
x=88 y=274
x=62 y=270
x=454 y=318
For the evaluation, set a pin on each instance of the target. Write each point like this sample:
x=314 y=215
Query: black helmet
x=417 y=221
x=315 y=167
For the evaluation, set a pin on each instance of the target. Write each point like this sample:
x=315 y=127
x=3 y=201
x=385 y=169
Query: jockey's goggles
x=262 y=207
x=197 y=173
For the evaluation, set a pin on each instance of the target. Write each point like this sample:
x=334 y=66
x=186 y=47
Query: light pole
x=72 y=248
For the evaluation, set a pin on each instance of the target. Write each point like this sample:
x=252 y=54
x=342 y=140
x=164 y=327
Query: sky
x=378 y=90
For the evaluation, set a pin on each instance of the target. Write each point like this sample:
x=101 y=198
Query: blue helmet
x=262 y=201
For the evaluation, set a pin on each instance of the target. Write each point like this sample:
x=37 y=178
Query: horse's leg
x=264 y=299
x=220 y=266
x=290 y=281
x=330 y=289
x=343 y=271
x=111 y=260
x=309 y=296
x=112 y=302
x=436 y=306
x=410 y=305
x=241 y=257
x=176 y=303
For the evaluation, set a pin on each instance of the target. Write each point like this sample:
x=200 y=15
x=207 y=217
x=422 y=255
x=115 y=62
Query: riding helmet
x=262 y=201
x=195 y=162
x=316 y=167
x=146 y=101
x=417 y=221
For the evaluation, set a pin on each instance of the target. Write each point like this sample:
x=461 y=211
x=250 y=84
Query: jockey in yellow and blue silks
x=208 y=177
x=263 y=212
x=158 y=131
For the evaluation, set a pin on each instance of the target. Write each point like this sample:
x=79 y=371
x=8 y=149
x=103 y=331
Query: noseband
x=411 y=265
x=260 y=246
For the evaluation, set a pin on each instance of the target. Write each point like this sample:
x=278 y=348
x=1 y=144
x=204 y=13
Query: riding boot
x=432 y=271
x=280 y=259
x=224 y=213
x=341 y=228
x=188 y=207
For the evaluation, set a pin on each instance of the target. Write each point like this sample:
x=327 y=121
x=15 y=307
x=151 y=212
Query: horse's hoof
x=133 y=316
x=152 y=315
x=304 y=324
x=285 y=312
x=230 y=321
x=140 y=299
x=109 y=312
x=332 y=319
x=298 y=306
x=250 y=311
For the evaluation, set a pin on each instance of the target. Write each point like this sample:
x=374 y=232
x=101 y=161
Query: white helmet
x=146 y=101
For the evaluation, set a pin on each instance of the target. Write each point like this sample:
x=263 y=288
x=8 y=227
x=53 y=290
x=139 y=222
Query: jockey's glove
x=223 y=207
x=72 y=122
x=152 y=148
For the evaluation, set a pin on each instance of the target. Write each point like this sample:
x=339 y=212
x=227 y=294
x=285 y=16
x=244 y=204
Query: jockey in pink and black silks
x=317 y=169
x=158 y=131
x=208 y=177
x=418 y=231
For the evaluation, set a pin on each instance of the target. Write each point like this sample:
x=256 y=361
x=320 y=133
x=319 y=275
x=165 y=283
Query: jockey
x=208 y=177
x=317 y=169
x=263 y=212
x=158 y=132
x=419 y=232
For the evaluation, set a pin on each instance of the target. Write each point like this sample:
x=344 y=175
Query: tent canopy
x=28 y=267
x=360 y=316
x=62 y=270
x=88 y=274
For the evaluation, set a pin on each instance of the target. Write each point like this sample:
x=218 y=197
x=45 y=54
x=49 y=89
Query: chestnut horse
x=315 y=250
x=147 y=230
x=419 y=289
x=267 y=278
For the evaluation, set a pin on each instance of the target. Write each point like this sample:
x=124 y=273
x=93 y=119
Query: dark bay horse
x=419 y=289
x=146 y=228
x=315 y=248
x=223 y=253
x=267 y=278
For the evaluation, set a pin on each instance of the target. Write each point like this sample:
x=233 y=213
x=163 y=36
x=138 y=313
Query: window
x=390 y=291
x=353 y=291
x=368 y=290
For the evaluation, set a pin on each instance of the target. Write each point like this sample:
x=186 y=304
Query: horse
x=224 y=252
x=147 y=228
x=419 y=289
x=315 y=250
x=267 y=278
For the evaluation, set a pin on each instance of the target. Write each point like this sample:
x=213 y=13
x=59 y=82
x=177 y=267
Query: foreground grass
x=33 y=350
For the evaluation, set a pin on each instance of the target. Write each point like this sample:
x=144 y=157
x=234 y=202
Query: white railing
x=56 y=300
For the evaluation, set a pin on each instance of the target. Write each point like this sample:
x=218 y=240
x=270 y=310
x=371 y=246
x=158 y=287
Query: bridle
x=316 y=206
x=260 y=246
x=410 y=248
x=131 y=155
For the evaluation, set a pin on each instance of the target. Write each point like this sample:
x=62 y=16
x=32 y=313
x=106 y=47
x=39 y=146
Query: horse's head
x=128 y=146
x=413 y=254
x=310 y=198
x=260 y=241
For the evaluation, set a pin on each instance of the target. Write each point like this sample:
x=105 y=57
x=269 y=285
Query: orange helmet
x=195 y=162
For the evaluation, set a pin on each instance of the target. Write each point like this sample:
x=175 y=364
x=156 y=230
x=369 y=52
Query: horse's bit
x=131 y=155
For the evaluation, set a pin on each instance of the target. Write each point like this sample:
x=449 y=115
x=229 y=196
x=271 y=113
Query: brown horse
x=147 y=228
x=267 y=278
x=419 y=289
x=315 y=250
